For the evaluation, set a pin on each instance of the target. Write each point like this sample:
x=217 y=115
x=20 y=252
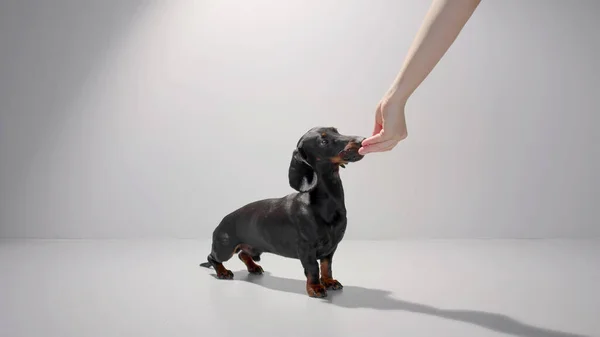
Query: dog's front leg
x=308 y=258
x=326 y=275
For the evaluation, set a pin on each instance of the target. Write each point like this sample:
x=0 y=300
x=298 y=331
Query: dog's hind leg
x=248 y=258
x=256 y=256
x=222 y=250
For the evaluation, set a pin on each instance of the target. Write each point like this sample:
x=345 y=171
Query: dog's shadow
x=360 y=297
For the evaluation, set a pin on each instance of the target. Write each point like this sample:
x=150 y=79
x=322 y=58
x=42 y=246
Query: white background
x=133 y=119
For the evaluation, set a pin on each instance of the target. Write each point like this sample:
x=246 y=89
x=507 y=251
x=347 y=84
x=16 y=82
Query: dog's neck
x=328 y=195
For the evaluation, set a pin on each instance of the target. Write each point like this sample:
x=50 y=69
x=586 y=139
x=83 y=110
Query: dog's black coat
x=307 y=225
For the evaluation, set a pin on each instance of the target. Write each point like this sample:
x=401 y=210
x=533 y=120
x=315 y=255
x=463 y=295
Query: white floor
x=146 y=288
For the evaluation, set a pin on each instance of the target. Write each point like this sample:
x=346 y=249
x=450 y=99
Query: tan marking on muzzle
x=339 y=161
x=350 y=145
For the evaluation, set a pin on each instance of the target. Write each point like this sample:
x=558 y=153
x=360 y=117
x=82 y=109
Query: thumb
x=374 y=139
x=378 y=120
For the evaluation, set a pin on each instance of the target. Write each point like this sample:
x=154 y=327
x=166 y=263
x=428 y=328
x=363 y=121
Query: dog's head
x=321 y=150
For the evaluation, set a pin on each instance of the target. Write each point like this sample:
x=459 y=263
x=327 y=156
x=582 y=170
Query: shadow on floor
x=359 y=297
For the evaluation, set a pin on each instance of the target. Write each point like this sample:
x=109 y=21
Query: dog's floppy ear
x=301 y=175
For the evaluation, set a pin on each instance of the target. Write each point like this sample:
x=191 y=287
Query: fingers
x=381 y=140
x=374 y=139
x=377 y=128
x=382 y=146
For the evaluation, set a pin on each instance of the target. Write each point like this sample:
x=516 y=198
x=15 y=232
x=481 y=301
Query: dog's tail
x=206 y=264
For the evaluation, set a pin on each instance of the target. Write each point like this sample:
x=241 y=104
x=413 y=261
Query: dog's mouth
x=347 y=155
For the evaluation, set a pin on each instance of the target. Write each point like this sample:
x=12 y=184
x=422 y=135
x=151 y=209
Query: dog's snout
x=354 y=143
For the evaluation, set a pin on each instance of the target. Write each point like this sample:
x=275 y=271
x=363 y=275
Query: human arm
x=441 y=25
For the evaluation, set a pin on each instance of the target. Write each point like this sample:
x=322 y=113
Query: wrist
x=397 y=94
x=396 y=97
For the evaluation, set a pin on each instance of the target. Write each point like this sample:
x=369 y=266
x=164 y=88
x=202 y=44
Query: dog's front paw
x=332 y=284
x=316 y=290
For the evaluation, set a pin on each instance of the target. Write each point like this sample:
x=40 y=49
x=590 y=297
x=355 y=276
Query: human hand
x=390 y=127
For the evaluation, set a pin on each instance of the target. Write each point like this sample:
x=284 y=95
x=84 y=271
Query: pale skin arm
x=442 y=24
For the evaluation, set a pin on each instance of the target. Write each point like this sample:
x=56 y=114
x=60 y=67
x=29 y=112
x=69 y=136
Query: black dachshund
x=307 y=225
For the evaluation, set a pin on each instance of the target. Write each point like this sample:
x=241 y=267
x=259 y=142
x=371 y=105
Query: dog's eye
x=324 y=142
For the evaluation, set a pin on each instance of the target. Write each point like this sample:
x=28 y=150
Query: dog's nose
x=354 y=143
